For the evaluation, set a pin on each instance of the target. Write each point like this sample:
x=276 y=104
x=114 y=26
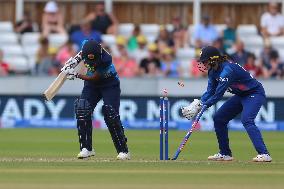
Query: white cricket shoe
x=262 y=158
x=85 y=153
x=220 y=157
x=123 y=156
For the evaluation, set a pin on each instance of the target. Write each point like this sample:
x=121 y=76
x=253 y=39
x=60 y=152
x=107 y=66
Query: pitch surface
x=45 y=158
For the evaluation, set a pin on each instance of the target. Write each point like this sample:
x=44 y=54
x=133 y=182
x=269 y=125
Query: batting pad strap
x=83 y=109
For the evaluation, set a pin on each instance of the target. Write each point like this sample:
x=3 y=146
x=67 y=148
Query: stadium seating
x=30 y=38
x=32 y=63
x=220 y=28
x=20 y=51
x=8 y=38
x=277 y=42
x=6 y=27
x=30 y=51
x=151 y=39
x=18 y=63
x=150 y=29
x=190 y=30
x=108 y=39
x=247 y=30
x=253 y=41
x=125 y=29
x=185 y=53
x=57 y=40
x=13 y=50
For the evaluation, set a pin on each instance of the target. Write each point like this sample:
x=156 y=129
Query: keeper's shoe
x=123 y=156
x=262 y=158
x=85 y=153
x=220 y=157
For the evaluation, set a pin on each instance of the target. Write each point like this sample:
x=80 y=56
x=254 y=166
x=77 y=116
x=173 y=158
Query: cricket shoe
x=220 y=157
x=262 y=158
x=123 y=156
x=85 y=153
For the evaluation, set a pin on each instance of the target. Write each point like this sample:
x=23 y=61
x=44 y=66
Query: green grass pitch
x=45 y=158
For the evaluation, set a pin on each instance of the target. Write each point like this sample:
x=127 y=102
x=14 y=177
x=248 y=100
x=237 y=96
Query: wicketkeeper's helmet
x=210 y=55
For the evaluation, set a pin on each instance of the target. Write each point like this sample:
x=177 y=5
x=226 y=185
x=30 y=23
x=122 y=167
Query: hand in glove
x=192 y=110
x=71 y=74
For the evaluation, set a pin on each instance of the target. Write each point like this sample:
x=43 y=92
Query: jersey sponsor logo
x=223 y=79
x=90 y=68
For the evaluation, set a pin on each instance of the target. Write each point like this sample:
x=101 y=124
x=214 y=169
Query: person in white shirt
x=272 y=22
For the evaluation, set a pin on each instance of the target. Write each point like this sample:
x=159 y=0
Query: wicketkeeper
x=224 y=75
x=100 y=82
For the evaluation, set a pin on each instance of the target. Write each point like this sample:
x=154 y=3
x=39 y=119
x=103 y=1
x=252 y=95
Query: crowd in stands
x=140 y=55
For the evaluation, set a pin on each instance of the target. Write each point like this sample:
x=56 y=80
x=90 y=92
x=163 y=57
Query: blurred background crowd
x=145 y=50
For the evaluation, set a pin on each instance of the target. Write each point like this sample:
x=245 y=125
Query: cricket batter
x=224 y=75
x=100 y=82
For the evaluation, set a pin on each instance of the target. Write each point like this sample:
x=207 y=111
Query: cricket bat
x=53 y=88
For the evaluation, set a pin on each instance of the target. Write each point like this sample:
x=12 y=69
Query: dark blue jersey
x=232 y=77
x=105 y=68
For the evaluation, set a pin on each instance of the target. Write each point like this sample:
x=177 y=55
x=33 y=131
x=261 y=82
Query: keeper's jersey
x=229 y=77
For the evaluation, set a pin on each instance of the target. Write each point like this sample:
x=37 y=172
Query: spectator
x=125 y=66
x=265 y=53
x=4 y=67
x=132 y=41
x=85 y=32
x=164 y=39
x=170 y=66
x=46 y=59
x=251 y=66
x=102 y=21
x=120 y=43
x=25 y=25
x=151 y=65
x=229 y=34
x=141 y=52
x=218 y=43
x=272 y=22
x=275 y=68
x=179 y=34
x=193 y=68
x=241 y=55
x=52 y=20
x=205 y=32
x=65 y=52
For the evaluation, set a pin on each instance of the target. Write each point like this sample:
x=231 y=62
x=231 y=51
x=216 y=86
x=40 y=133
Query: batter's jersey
x=105 y=68
x=229 y=77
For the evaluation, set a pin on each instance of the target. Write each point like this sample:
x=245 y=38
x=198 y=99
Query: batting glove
x=72 y=74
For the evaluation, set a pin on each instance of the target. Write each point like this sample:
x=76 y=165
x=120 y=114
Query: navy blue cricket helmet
x=91 y=51
x=209 y=53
